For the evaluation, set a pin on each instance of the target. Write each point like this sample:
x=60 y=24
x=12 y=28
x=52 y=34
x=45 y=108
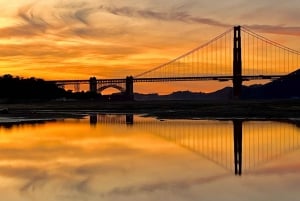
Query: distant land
x=283 y=88
x=279 y=99
x=20 y=90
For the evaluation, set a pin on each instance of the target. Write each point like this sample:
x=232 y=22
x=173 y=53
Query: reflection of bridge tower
x=236 y=145
x=237 y=136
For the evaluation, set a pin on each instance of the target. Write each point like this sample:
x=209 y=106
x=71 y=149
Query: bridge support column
x=237 y=63
x=237 y=135
x=77 y=87
x=93 y=85
x=129 y=88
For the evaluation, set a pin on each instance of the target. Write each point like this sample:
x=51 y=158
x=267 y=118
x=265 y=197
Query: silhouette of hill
x=20 y=89
x=282 y=88
x=223 y=94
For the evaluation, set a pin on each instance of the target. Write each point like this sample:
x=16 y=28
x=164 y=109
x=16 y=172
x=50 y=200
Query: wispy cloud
x=276 y=29
x=172 y=15
x=26 y=13
x=75 y=19
x=51 y=51
x=65 y=18
x=101 y=32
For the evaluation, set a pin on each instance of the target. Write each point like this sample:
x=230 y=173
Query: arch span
x=121 y=89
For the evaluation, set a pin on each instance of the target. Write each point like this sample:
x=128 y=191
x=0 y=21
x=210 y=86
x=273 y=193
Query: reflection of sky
x=73 y=161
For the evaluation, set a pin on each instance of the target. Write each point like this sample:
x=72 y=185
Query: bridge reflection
x=111 y=119
x=236 y=145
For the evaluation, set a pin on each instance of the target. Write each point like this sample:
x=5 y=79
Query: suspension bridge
x=237 y=55
x=237 y=145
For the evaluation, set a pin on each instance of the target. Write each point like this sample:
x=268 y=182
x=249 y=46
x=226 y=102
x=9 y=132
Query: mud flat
x=275 y=109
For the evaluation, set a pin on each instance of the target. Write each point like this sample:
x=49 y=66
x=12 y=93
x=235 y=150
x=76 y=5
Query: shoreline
x=271 y=109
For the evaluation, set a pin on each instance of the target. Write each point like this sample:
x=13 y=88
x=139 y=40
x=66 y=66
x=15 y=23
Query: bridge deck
x=171 y=79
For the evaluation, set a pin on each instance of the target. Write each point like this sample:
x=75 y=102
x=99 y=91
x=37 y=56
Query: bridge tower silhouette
x=237 y=62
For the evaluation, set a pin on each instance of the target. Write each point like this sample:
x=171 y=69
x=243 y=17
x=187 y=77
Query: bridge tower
x=93 y=85
x=237 y=63
x=129 y=88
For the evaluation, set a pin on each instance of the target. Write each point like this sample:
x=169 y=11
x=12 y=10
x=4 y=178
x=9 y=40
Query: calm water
x=114 y=157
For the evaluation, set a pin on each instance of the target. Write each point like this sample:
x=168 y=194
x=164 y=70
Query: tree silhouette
x=13 y=88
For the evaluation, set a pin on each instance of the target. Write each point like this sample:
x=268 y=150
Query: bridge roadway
x=170 y=79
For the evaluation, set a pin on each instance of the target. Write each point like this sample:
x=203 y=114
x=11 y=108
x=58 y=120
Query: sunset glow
x=60 y=39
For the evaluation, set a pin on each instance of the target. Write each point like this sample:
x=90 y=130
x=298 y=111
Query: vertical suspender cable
x=197 y=64
x=253 y=56
x=225 y=48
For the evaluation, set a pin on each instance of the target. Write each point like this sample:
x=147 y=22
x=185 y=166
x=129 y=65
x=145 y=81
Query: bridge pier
x=93 y=85
x=77 y=87
x=129 y=88
x=237 y=63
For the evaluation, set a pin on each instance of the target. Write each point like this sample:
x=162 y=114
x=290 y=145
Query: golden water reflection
x=119 y=157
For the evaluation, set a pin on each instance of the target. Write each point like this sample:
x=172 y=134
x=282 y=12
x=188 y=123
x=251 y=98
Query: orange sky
x=62 y=39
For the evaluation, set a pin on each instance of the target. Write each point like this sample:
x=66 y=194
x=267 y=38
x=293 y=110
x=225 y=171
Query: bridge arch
x=102 y=88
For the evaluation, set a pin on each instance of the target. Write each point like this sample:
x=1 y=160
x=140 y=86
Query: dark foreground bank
x=161 y=109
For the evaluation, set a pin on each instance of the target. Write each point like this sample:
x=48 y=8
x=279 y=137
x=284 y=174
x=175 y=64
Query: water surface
x=119 y=157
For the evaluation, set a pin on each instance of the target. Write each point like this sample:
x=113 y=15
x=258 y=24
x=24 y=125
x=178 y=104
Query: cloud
x=26 y=13
x=71 y=34
x=74 y=19
x=83 y=14
x=46 y=50
x=283 y=30
x=31 y=25
x=70 y=15
x=172 y=15
x=64 y=19
x=35 y=23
